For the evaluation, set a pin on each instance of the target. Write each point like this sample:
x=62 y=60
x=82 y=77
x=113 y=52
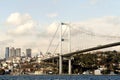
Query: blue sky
x=66 y=9
x=21 y=20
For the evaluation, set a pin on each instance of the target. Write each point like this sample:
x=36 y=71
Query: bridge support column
x=69 y=66
x=60 y=64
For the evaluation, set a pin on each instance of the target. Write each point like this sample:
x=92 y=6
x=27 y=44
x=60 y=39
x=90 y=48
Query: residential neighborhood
x=94 y=63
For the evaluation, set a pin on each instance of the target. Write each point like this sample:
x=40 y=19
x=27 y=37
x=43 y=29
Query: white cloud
x=49 y=30
x=95 y=32
x=52 y=15
x=109 y=26
x=23 y=24
x=25 y=29
x=18 y=19
x=52 y=27
x=106 y=30
x=106 y=25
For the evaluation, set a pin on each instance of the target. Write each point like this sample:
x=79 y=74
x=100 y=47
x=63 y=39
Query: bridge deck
x=86 y=50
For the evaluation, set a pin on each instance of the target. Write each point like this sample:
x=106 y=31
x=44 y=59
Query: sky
x=31 y=23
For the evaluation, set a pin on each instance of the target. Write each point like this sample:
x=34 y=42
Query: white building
x=97 y=72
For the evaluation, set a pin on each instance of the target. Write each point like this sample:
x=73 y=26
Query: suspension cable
x=59 y=42
x=52 y=39
x=94 y=34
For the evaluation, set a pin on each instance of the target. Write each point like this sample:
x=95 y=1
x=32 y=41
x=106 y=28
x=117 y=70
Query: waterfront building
x=7 y=53
x=28 y=52
x=97 y=72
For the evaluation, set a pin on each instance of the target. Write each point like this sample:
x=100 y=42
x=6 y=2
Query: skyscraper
x=12 y=52
x=18 y=52
x=7 y=53
x=28 y=52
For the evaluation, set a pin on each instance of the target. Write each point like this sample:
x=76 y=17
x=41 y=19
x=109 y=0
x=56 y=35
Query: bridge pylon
x=69 y=48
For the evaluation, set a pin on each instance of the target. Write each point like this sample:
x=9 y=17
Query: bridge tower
x=60 y=52
x=69 y=48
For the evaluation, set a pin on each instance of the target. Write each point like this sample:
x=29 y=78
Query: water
x=60 y=77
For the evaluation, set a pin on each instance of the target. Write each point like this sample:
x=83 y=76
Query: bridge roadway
x=84 y=50
x=69 y=55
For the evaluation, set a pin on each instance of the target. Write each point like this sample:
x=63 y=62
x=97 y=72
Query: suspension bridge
x=65 y=30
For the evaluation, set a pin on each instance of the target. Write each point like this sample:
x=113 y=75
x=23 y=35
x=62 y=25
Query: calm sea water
x=61 y=77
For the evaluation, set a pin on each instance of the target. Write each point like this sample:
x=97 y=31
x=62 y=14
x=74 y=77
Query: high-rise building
x=28 y=52
x=7 y=53
x=12 y=52
x=18 y=52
